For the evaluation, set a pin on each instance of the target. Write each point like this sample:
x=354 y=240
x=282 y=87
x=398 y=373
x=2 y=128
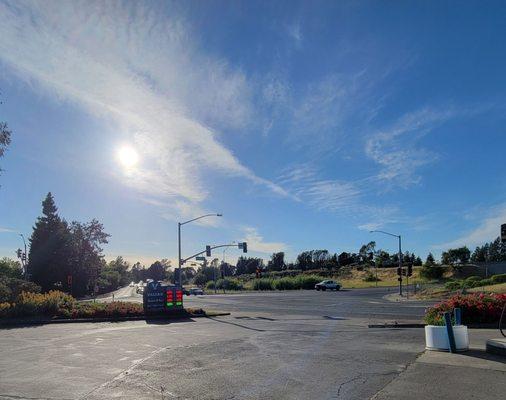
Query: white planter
x=436 y=338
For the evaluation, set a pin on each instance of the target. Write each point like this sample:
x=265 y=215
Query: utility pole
x=180 y=261
x=400 y=265
x=400 y=256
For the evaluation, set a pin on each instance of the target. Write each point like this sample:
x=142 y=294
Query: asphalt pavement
x=276 y=345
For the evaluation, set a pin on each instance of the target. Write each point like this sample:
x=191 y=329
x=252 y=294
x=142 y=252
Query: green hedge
x=287 y=283
x=501 y=278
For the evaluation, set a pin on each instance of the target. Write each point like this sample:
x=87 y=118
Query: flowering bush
x=4 y=309
x=101 y=310
x=476 y=308
x=52 y=303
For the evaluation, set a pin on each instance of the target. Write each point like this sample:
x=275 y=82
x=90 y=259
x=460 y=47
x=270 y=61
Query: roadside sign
x=200 y=258
x=154 y=297
x=159 y=298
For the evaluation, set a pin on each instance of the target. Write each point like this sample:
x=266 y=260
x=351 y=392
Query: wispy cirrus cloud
x=124 y=62
x=322 y=194
x=396 y=147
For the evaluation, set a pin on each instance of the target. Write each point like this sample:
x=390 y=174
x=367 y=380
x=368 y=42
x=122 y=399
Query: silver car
x=330 y=285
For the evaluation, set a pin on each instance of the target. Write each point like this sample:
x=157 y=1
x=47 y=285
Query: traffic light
x=399 y=271
x=503 y=233
x=19 y=253
x=410 y=269
x=244 y=247
x=208 y=251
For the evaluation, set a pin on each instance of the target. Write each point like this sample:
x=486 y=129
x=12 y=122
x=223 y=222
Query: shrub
x=263 y=284
x=285 y=284
x=226 y=283
x=453 y=285
x=476 y=308
x=308 y=282
x=5 y=309
x=501 y=278
x=370 y=277
x=486 y=282
x=432 y=272
x=52 y=303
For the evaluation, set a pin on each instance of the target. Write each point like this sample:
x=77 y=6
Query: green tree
x=5 y=138
x=50 y=248
x=277 y=262
x=455 y=256
x=430 y=260
x=86 y=258
x=248 y=265
x=158 y=271
x=10 y=268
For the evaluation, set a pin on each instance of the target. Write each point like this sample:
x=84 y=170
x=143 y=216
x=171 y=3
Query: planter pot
x=436 y=338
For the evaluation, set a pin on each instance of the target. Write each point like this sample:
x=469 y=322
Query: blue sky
x=305 y=123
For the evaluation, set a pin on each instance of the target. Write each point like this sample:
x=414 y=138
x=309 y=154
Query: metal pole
x=400 y=266
x=24 y=258
x=179 y=253
x=214 y=279
x=376 y=272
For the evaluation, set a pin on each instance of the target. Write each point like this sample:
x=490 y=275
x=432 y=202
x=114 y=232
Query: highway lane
x=243 y=356
x=274 y=345
x=357 y=303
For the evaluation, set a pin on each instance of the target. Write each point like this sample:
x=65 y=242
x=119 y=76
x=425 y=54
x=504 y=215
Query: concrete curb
x=497 y=346
x=30 y=322
x=422 y=325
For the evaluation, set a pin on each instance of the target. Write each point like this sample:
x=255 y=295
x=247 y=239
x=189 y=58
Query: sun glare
x=127 y=156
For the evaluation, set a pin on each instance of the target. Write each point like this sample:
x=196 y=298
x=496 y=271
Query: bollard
x=457 y=313
x=449 y=331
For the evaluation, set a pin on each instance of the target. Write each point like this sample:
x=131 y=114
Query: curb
x=19 y=322
x=400 y=326
x=421 y=325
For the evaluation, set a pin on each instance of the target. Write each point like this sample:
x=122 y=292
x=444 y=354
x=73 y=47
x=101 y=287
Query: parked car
x=330 y=285
x=195 y=291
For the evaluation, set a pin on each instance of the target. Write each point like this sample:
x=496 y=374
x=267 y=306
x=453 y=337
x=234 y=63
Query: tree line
x=69 y=257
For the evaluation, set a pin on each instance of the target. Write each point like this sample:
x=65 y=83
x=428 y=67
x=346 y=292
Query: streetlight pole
x=24 y=258
x=179 y=259
x=400 y=256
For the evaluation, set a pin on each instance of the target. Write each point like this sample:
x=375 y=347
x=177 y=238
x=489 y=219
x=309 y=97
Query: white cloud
x=395 y=148
x=321 y=194
x=125 y=62
x=487 y=231
x=256 y=242
x=372 y=226
x=6 y=230
x=295 y=32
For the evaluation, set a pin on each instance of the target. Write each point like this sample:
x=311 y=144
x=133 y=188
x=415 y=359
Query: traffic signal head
x=208 y=251
x=18 y=253
x=244 y=247
x=503 y=233
x=410 y=269
x=399 y=271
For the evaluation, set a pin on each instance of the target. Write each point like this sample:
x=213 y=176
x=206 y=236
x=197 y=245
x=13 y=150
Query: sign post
x=161 y=299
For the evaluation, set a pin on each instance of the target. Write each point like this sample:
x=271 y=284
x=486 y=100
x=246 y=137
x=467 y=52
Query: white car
x=330 y=285
x=195 y=291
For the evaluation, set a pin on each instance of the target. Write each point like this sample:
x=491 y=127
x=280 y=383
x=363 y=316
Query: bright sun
x=127 y=156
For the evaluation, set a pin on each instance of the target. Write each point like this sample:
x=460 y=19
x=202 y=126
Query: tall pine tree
x=50 y=248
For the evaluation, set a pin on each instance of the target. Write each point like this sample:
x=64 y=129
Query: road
x=284 y=345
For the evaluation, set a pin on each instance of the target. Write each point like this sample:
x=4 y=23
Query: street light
x=24 y=259
x=179 y=224
x=400 y=256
